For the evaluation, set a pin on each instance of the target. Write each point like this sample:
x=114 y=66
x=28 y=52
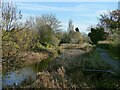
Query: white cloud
x=63 y=0
x=96 y=14
x=101 y=12
x=79 y=8
x=78 y=11
x=38 y=7
x=83 y=27
x=86 y=15
x=28 y=15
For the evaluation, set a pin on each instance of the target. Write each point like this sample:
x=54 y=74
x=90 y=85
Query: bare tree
x=10 y=16
x=110 y=20
x=50 y=20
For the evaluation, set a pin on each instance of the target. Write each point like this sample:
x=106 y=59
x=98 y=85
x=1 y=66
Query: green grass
x=92 y=60
x=111 y=47
x=113 y=55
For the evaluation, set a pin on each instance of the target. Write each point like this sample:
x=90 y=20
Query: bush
x=114 y=48
x=54 y=79
x=104 y=44
x=39 y=47
x=75 y=37
x=55 y=41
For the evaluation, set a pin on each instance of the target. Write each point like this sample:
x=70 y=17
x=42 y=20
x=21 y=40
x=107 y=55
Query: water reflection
x=40 y=66
x=16 y=77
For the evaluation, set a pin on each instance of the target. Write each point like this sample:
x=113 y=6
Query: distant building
x=119 y=5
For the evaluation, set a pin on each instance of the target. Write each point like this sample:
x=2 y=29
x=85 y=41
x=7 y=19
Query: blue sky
x=83 y=14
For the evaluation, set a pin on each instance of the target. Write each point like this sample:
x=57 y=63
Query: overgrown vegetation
x=40 y=34
x=110 y=24
x=97 y=34
x=40 y=38
x=69 y=72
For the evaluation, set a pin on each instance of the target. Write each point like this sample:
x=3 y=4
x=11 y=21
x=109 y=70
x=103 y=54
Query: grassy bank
x=97 y=79
x=26 y=58
x=67 y=72
x=112 y=48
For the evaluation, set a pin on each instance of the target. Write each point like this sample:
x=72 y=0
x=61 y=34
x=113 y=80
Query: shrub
x=114 y=48
x=55 y=79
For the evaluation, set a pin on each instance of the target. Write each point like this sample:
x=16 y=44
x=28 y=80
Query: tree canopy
x=97 y=34
x=111 y=22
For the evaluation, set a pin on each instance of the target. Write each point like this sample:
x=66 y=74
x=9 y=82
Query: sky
x=83 y=14
x=62 y=0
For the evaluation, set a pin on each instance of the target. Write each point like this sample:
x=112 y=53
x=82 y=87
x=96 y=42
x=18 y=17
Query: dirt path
x=115 y=64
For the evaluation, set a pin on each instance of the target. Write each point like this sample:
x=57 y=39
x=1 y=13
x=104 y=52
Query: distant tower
x=119 y=5
x=70 y=26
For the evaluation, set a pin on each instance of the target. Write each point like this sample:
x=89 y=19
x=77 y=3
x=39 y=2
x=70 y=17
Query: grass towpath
x=115 y=64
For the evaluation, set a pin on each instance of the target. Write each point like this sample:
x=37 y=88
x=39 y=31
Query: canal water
x=18 y=76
